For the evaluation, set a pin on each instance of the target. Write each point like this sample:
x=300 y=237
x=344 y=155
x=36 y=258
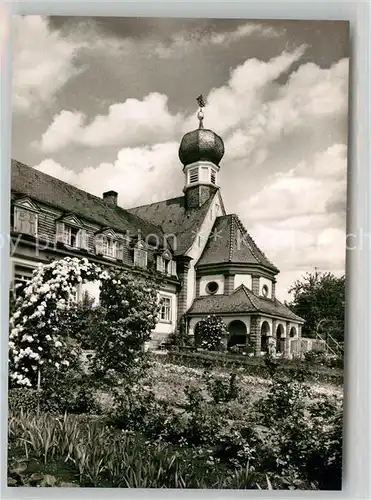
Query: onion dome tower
x=200 y=152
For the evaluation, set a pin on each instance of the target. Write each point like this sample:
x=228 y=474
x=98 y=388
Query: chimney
x=110 y=197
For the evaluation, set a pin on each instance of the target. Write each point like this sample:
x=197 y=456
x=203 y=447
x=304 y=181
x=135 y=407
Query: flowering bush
x=210 y=333
x=37 y=338
x=34 y=338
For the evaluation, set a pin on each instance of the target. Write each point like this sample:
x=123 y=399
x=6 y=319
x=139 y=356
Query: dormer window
x=70 y=232
x=193 y=175
x=165 y=264
x=109 y=244
x=140 y=255
x=25 y=218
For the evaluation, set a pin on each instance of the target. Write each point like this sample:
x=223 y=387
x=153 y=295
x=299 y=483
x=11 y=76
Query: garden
x=128 y=418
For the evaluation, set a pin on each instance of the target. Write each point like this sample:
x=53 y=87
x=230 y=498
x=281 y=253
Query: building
x=209 y=262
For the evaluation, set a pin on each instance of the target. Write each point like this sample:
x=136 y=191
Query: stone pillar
x=274 y=289
x=274 y=328
x=286 y=346
x=198 y=280
x=255 y=334
x=228 y=284
x=255 y=285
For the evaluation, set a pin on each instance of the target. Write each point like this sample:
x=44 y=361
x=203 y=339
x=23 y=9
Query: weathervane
x=200 y=114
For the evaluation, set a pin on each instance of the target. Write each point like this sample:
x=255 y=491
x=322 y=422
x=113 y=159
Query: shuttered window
x=25 y=221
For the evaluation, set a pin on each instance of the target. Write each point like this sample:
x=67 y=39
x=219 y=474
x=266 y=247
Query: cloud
x=130 y=123
x=134 y=174
x=184 y=42
x=43 y=62
x=149 y=121
x=232 y=106
x=290 y=215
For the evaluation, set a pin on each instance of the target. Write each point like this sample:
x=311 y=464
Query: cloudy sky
x=102 y=103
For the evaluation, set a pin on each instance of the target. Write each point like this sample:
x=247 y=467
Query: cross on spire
x=200 y=114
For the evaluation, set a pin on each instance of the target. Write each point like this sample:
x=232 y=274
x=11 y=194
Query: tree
x=319 y=298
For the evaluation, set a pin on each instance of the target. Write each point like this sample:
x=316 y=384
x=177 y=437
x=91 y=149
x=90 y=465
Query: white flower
x=58 y=344
x=57 y=366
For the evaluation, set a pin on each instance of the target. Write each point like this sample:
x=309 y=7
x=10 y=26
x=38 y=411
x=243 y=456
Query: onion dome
x=201 y=144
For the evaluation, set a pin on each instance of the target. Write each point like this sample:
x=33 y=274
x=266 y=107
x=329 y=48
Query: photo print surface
x=177 y=253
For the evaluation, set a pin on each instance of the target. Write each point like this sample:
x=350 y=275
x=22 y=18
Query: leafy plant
x=210 y=333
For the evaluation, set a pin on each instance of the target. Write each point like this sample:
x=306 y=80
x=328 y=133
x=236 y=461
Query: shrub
x=221 y=390
x=210 y=333
x=22 y=399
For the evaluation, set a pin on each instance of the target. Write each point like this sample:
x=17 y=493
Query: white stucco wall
x=218 y=278
x=195 y=252
x=265 y=281
x=243 y=279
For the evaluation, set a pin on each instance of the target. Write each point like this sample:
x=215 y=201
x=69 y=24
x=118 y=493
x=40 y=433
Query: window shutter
x=17 y=225
x=83 y=239
x=60 y=232
x=173 y=268
x=160 y=264
x=99 y=244
x=119 y=251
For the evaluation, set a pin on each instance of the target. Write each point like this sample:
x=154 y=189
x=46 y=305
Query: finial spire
x=200 y=114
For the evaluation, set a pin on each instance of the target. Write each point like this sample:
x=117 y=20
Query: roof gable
x=71 y=219
x=229 y=242
x=27 y=204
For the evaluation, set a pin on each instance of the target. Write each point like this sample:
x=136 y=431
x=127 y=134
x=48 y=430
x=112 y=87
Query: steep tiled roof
x=230 y=242
x=44 y=188
x=173 y=218
x=242 y=300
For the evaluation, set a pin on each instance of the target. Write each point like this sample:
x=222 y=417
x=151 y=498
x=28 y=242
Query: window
x=165 y=309
x=213 y=177
x=21 y=277
x=193 y=175
x=166 y=265
x=72 y=236
x=140 y=257
x=212 y=287
x=109 y=247
x=75 y=296
x=25 y=221
x=265 y=291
